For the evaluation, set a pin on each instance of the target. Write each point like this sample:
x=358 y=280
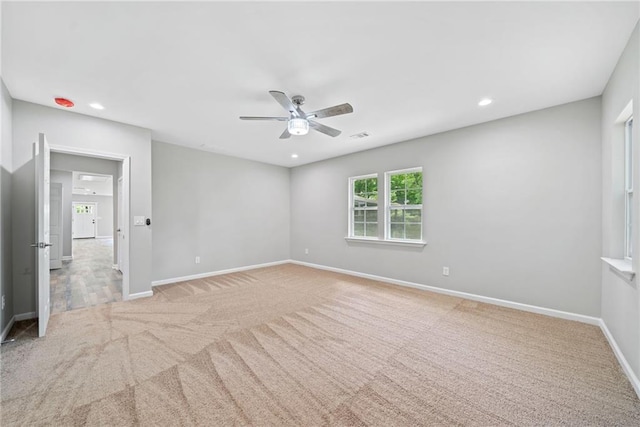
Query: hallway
x=88 y=279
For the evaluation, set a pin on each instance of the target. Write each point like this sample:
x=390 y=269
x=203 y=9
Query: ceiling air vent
x=360 y=135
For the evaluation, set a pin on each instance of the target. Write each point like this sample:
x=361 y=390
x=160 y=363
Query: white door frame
x=119 y=222
x=126 y=178
x=56 y=231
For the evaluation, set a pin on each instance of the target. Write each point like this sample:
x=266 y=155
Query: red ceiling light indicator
x=64 y=102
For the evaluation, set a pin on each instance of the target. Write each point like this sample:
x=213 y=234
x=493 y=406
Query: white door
x=55 y=225
x=84 y=220
x=42 y=244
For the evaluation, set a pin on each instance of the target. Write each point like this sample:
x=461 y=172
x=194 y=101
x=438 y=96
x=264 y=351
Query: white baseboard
x=104 y=237
x=495 y=301
x=217 y=273
x=140 y=295
x=7 y=329
x=25 y=316
x=633 y=379
x=67 y=258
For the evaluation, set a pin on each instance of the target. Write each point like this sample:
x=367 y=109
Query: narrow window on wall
x=363 y=206
x=403 y=204
x=628 y=187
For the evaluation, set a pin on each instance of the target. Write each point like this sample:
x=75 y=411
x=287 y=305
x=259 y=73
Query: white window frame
x=387 y=205
x=628 y=188
x=352 y=209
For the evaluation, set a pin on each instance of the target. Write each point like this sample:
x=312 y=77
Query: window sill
x=410 y=243
x=622 y=266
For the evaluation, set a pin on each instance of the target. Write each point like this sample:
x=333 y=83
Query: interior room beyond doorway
x=89 y=273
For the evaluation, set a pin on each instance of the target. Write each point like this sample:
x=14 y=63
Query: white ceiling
x=188 y=70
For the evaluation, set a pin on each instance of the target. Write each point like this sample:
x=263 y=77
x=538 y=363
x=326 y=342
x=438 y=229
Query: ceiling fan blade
x=336 y=110
x=286 y=103
x=285 y=134
x=324 y=129
x=280 y=119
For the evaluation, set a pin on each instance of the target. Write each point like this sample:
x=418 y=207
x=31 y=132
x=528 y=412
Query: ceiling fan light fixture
x=298 y=126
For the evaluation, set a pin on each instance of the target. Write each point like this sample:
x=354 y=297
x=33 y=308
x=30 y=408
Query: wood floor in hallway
x=89 y=279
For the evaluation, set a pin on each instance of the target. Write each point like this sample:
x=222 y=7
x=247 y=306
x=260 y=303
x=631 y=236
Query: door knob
x=41 y=245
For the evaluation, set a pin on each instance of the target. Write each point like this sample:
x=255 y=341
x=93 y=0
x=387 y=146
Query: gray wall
x=511 y=206
x=105 y=217
x=68 y=129
x=66 y=179
x=231 y=212
x=6 y=258
x=70 y=163
x=620 y=298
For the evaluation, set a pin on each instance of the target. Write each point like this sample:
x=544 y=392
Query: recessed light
x=360 y=135
x=96 y=106
x=294 y=156
x=484 y=102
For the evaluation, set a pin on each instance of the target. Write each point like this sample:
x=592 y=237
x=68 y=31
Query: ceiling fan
x=299 y=122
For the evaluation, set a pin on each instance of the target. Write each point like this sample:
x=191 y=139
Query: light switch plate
x=138 y=220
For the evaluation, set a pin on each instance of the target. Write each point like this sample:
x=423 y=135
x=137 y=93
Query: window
x=628 y=188
x=403 y=204
x=363 y=211
x=84 y=209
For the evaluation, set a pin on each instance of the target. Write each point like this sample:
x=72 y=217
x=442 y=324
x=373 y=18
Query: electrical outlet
x=445 y=271
x=3 y=302
x=197 y=260
x=306 y=251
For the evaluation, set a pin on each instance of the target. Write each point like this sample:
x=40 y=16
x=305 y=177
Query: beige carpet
x=290 y=345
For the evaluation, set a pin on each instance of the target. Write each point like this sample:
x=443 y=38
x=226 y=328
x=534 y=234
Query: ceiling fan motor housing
x=298 y=126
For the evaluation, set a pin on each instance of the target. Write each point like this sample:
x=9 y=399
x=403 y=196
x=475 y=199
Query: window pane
x=397 y=182
x=413 y=215
x=393 y=197
x=397 y=215
x=371 y=196
x=359 y=186
x=414 y=231
x=358 y=216
x=371 y=216
x=358 y=229
x=398 y=197
x=372 y=185
x=359 y=202
x=414 y=197
x=397 y=231
x=414 y=180
x=372 y=230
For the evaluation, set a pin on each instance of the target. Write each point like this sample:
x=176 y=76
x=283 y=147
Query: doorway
x=88 y=275
x=41 y=157
x=93 y=270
